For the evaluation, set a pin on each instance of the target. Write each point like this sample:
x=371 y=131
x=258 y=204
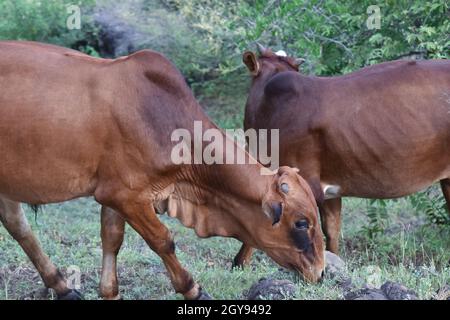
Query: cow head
x=292 y=235
x=269 y=62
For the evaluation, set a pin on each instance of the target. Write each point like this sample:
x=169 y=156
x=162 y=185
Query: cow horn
x=285 y=188
x=260 y=48
x=299 y=61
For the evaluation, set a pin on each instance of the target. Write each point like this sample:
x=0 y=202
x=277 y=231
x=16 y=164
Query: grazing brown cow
x=75 y=126
x=380 y=132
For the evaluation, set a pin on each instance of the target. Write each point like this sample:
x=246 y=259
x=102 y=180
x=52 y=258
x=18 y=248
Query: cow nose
x=319 y=275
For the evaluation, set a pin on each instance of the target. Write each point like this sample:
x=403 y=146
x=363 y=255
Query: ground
x=410 y=251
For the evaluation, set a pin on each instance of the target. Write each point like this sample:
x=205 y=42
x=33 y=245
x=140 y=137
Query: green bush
x=432 y=204
x=45 y=21
x=332 y=35
x=377 y=212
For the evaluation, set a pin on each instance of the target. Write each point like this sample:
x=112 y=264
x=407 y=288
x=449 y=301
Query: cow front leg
x=330 y=214
x=112 y=233
x=445 y=185
x=14 y=220
x=141 y=216
x=243 y=257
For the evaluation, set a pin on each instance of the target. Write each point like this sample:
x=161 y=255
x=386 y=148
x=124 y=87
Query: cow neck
x=256 y=94
x=261 y=82
x=229 y=199
x=243 y=181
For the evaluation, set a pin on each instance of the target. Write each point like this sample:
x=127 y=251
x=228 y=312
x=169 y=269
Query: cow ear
x=273 y=210
x=250 y=60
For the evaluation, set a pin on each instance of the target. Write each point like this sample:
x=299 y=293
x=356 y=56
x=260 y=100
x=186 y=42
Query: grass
x=409 y=251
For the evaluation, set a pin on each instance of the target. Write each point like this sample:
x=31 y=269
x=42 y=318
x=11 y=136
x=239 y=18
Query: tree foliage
x=432 y=204
x=206 y=38
x=332 y=35
x=45 y=21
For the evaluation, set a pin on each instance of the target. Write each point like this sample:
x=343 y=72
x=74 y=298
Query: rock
x=335 y=270
x=365 y=294
x=388 y=291
x=271 y=289
x=116 y=37
x=334 y=265
x=443 y=293
x=118 y=34
x=345 y=284
x=38 y=294
x=396 y=291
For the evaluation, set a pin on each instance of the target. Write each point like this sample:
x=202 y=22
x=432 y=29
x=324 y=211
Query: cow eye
x=302 y=225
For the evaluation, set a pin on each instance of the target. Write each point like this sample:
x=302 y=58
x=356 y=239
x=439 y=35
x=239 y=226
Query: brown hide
x=74 y=126
x=380 y=132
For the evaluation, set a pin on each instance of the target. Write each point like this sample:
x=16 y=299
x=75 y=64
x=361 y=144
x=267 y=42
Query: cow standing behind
x=74 y=126
x=380 y=132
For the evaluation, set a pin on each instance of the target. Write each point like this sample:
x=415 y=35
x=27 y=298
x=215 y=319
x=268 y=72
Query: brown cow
x=75 y=126
x=380 y=132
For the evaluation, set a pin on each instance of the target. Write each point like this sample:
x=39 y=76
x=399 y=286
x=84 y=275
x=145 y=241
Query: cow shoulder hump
x=281 y=84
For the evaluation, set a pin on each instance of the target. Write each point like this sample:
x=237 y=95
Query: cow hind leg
x=141 y=216
x=243 y=257
x=14 y=220
x=112 y=233
x=445 y=185
x=330 y=214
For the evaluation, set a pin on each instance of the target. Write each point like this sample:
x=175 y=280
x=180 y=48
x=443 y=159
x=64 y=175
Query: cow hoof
x=73 y=294
x=237 y=266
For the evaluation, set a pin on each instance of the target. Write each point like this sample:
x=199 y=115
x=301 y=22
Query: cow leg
x=141 y=216
x=445 y=185
x=243 y=257
x=330 y=214
x=14 y=220
x=112 y=232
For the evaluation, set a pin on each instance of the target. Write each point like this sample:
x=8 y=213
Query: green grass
x=409 y=252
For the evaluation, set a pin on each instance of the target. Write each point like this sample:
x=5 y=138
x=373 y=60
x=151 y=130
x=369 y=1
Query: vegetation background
x=405 y=240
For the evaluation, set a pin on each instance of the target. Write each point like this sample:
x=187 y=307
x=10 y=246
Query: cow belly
x=44 y=164
x=390 y=179
x=45 y=186
x=391 y=157
x=388 y=190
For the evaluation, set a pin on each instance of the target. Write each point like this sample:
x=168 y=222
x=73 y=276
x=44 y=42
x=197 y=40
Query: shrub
x=45 y=21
